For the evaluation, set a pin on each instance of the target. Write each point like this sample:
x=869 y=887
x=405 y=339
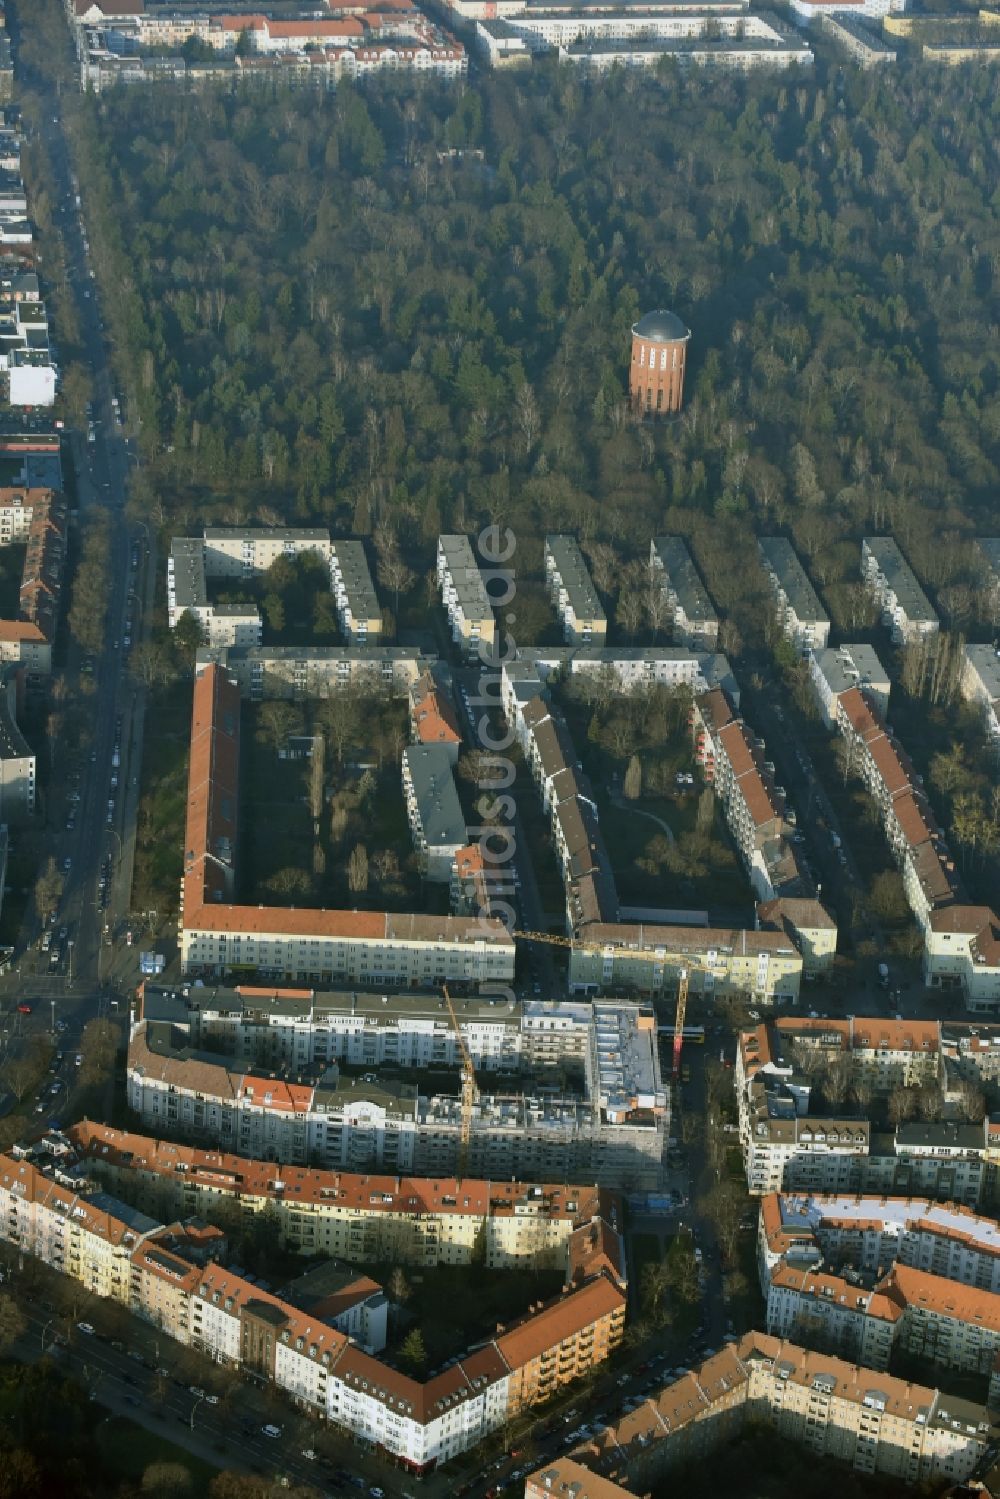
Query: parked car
x=85 y=1327
x=271 y=1431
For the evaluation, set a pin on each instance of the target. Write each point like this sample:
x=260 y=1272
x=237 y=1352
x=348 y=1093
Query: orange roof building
x=319 y=946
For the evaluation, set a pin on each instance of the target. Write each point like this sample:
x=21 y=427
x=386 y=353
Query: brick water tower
x=656 y=374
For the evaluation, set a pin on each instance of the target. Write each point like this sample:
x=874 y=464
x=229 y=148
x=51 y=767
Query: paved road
x=116 y=706
x=126 y=1383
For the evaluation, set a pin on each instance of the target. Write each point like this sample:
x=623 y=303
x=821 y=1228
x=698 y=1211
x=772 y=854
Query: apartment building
x=807 y=923
x=833 y=1313
x=837 y=669
x=119 y=1254
x=619 y=38
x=222 y=624
x=981 y=684
x=37 y=517
x=610 y=1128
x=437 y=822
x=693 y=619
x=276 y=1028
x=354 y=593
x=315 y=946
x=573 y=595
x=464 y=595
x=17 y=759
x=361 y=1217
x=800 y=616
x=905 y=608
x=872 y=1233
x=568 y=798
x=242 y=555
x=787 y=1147
x=304 y=672
x=962 y=950
x=629 y=668
x=754 y=805
x=763 y=966
x=951 y=1325
x=930 y=877
x=870 y=1421
x=86 y=1235
x=988 y=549
x=433 y=718
x=862 y=43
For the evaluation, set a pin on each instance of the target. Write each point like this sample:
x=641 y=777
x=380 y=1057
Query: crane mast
x=469 y=1090
x=682 y=1000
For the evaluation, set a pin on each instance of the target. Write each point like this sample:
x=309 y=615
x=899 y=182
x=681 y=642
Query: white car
x=271 y=1431
x=85 y=1327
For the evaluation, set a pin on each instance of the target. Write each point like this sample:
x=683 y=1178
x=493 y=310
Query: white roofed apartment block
x=694 y=621
x=905 y=608
x=572 y=591
x=301 y=671
x=801 y=617
x=807 y=11
x=464 y=595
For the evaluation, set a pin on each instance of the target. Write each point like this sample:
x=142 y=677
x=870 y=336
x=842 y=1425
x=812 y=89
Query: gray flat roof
x=466 y=579
x=780 y=559
x=442 y=820
x=900 y=577
x=356 y=579
x=569 y=564
x=845 y=666
x=681 y=577
x=986 y=662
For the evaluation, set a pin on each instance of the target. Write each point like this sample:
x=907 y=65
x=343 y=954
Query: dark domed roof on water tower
x=661 y=327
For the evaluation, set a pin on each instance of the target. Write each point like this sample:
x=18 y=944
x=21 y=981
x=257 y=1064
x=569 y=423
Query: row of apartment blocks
x=125 y=1257
x=36 y=518
x=314 y=945
x=761 y=822
x=603 y=1119
x=870 y=1234
x=362 y=1218
x=870 y=1276
x=117 y=42
x=872 y=1422
x=245 y=555
x=788 y=1147
x=903 y=606
x=26 y=360
x=618 y=36
x=792 y=932
x=961 y=941
x=947 y=1322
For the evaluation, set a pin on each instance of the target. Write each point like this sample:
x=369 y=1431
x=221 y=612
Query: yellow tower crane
x=470 y=1092
x=682 y=1004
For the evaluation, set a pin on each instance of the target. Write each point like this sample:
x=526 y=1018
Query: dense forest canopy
x=330 y=317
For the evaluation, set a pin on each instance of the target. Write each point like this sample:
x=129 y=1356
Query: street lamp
x=194 y=1407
